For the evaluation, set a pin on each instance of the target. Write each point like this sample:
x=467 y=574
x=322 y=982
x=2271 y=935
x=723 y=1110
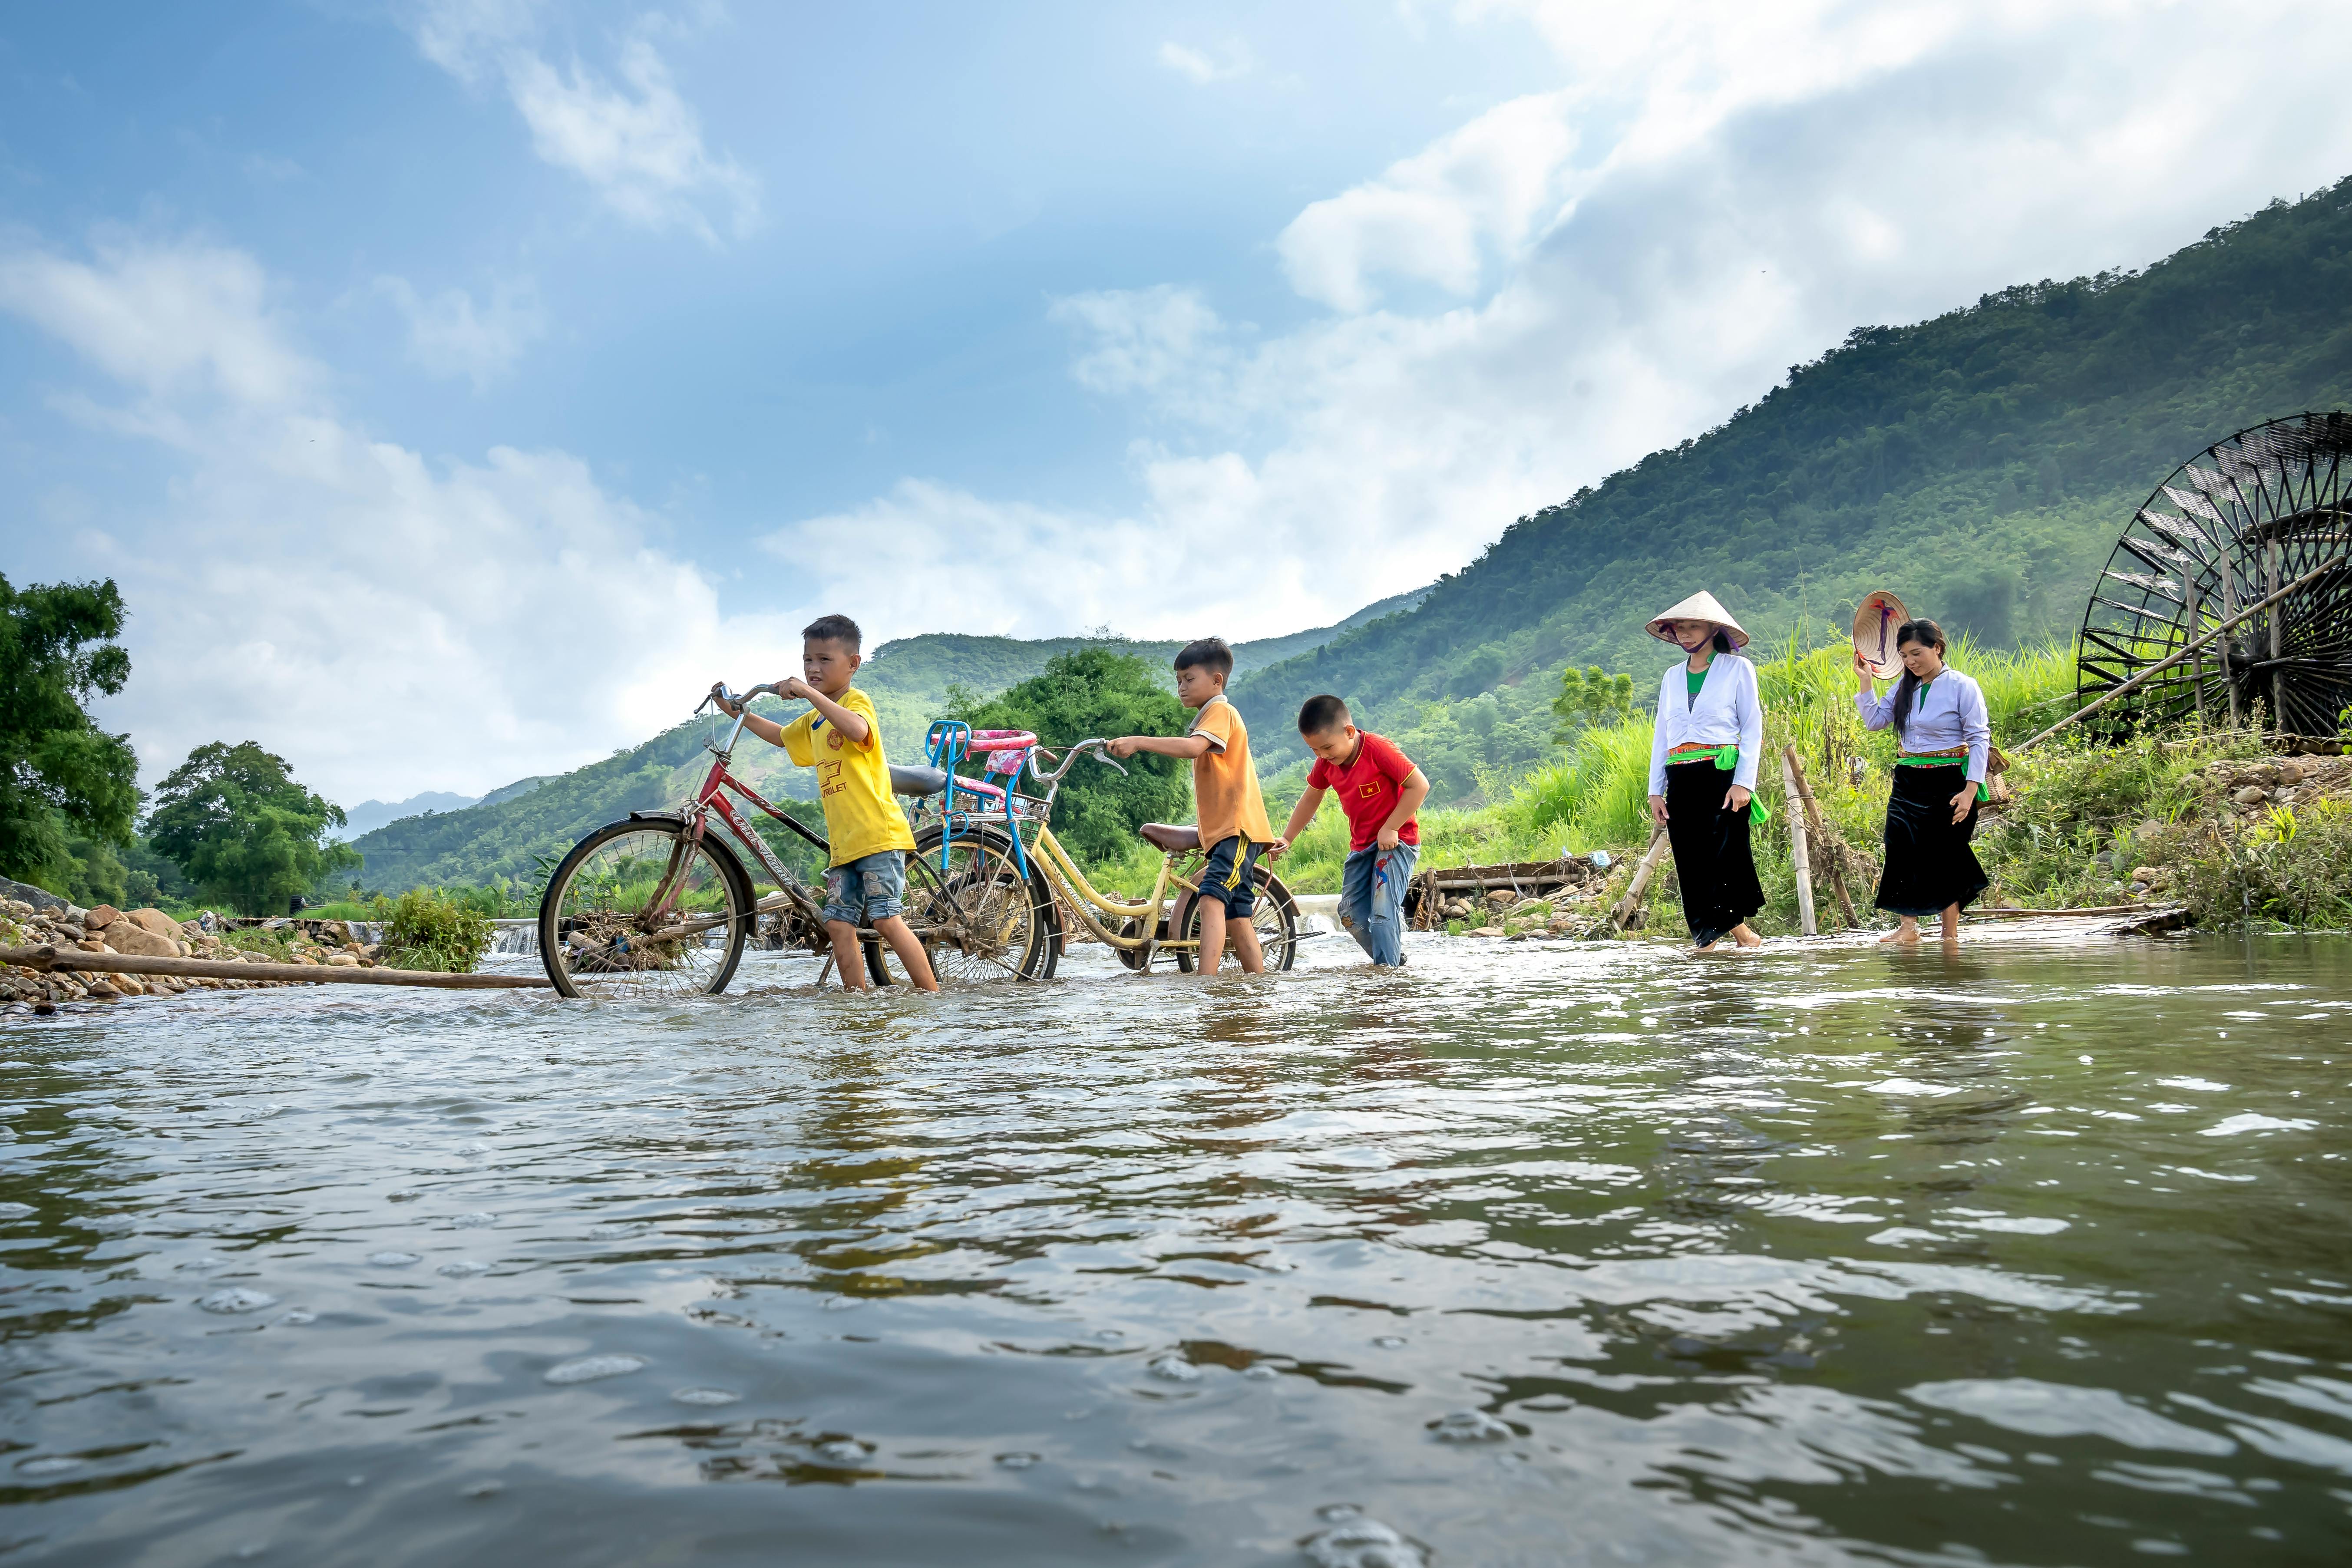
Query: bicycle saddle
x=917 y=781
x=1162 y=836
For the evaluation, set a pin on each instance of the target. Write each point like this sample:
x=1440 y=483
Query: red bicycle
x=662 y=905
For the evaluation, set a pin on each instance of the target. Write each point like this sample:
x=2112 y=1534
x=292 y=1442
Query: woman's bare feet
x=1905 y=935
x=1745 y=937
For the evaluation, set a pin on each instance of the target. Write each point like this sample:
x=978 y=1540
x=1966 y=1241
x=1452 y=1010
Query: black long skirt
x=1713 y=863
x=1929 y=866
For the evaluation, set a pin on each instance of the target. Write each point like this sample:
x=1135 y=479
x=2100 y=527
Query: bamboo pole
x=1822 y=832
x=1659 y=842
x=1797 y=847
x=51 y=958
x=2251 y=611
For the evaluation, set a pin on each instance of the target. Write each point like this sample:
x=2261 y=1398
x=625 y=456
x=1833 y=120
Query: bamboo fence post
x=1814 y=815
x=49 y=958
x=1797 y=847
x=1632 y=901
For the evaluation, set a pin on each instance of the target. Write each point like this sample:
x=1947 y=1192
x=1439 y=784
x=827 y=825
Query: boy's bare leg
x=1212 y=956
x=911 y=956
x=846 y=956
x=1247 y=946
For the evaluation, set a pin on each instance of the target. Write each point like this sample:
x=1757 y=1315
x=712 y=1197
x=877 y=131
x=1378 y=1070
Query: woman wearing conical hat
x=1704 y=749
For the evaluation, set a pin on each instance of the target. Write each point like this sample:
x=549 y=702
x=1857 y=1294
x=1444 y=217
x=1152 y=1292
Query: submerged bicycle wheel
x=601 y=935
x=1274 y=916
x=984 y=918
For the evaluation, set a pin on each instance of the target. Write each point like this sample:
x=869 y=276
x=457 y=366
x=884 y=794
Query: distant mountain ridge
x=909 y=679
x=370 y=814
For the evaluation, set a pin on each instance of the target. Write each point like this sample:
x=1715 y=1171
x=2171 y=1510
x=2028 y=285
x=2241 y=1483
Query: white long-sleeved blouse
x=1726 y=713
x=1946 y=711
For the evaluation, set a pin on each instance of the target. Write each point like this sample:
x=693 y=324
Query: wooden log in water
x=2009 y=914
x=48 y=958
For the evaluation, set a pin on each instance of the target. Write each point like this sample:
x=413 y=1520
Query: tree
x=1094 y=692
x=60 y=775
x=244 y=830
x=1590 y=698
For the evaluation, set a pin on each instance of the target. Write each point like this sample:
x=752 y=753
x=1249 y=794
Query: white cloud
x=1140 y=339
x=1714 y=192
x=637 y=142
x=1232 y=59
x=387 y=622
x=448 y=335
x=174 y=320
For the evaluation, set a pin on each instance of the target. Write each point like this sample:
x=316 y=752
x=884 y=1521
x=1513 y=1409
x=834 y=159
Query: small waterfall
x=515 y=937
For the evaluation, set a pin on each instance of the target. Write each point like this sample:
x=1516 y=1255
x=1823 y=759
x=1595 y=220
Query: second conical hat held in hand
x=1874 y=623
x=1698 y=607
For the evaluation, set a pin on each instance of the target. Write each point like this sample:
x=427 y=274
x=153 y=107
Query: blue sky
x=456 y=388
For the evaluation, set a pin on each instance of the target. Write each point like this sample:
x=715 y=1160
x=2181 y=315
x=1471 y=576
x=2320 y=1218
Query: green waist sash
x=1727 y=758
x=1982 y=792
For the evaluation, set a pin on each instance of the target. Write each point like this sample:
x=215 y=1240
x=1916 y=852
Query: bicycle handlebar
x=719 y=693
x=1070 y=759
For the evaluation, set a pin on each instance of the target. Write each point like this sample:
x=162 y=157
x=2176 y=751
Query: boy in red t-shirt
x=1380 y=791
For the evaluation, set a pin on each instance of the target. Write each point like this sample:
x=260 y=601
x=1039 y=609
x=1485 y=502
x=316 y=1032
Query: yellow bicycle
x=985 y=817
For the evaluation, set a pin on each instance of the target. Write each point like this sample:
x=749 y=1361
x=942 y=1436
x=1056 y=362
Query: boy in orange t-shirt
x=1233 y=828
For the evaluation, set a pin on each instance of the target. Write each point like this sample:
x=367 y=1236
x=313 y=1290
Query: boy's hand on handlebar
x=718 y=696
x=1273 y=850
x=796 y=690
x=1125 y=746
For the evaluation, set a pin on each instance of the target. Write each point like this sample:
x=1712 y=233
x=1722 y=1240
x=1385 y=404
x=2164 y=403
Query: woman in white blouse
x=1939 y=718
x=1704 y=749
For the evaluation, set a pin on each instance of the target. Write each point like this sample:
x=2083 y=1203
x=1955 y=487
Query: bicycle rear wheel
x=1274 y=916
x=984 y=918
x=600 y=934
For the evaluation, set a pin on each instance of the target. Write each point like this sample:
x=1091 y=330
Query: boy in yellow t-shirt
x=840 y=737
x=1233 y=828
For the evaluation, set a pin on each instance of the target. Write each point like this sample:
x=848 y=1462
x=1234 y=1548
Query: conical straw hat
x=1698 y=607
x=1874 y=620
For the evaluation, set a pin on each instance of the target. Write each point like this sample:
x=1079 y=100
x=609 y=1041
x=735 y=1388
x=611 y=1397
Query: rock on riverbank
x=145 y=932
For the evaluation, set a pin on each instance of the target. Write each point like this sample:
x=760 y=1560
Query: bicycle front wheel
x=984 y=917
x=638 y=909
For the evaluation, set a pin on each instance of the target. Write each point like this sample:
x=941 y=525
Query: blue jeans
x=1371 y=899
x=868 y=888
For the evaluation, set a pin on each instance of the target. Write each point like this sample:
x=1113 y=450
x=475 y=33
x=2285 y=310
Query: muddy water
x=1525 y=1255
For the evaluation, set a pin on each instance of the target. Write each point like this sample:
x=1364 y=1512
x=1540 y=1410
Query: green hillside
x=1980 y=464
x=909 y=679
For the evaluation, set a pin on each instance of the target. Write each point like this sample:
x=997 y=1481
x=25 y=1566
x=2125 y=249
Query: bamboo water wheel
x=2233 y=526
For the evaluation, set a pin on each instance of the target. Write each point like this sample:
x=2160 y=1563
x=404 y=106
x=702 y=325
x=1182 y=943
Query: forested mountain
x=912 y=681
x=1980 y=464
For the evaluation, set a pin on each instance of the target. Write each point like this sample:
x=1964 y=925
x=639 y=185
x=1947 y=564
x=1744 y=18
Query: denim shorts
x=869 y=888
x=1226 y=878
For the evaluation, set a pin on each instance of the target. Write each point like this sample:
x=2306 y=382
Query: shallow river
x=1526 y=1254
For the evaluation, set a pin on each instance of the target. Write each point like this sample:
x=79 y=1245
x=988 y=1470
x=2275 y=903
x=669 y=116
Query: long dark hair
x=1926 y=634
x=1721 y=641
